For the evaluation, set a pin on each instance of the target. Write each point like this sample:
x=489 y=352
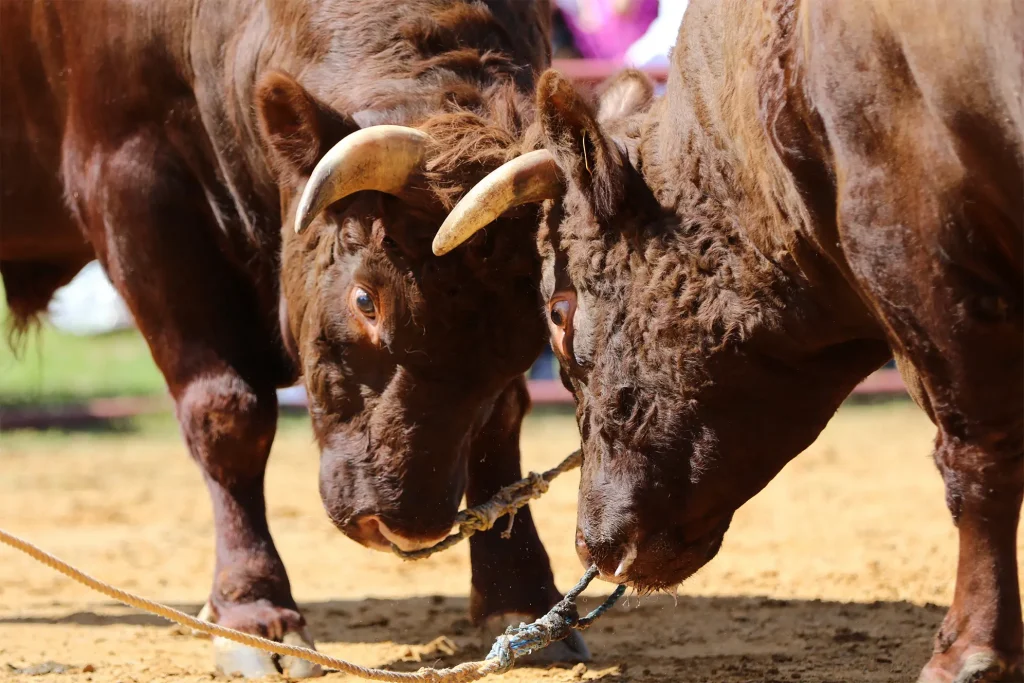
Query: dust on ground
x=838 y=571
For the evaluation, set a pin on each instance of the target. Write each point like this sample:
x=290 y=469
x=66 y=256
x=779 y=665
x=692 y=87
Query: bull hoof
x=234 y=659
x=571 y=650
x=979 y=667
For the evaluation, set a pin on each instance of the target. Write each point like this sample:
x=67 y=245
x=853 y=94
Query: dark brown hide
x=175 y=137
x=823 y=186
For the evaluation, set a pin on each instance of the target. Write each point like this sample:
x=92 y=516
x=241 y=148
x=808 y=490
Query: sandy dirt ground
x=838 y=571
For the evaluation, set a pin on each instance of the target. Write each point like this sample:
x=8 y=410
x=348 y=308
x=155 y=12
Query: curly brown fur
x=821 y=186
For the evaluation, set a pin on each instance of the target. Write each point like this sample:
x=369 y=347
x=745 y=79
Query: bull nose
x=375 y=533
x=612 y=562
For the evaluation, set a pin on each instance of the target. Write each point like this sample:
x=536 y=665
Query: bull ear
x=297 y=128
x=588 y=158
x=625 y=94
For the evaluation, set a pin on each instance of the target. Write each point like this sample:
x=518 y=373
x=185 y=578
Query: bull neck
x=706 y=160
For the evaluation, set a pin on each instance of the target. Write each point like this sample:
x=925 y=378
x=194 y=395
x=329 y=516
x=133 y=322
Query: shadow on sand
x=721 y=639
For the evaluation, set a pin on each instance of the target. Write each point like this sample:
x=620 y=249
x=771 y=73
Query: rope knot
x=525 y=639
x=537 y=483
x=476 y=519
x=505 y=502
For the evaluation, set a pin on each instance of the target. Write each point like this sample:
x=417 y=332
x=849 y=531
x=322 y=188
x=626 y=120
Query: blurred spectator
x=653 y=48
x=89 y=304
x=605 y=29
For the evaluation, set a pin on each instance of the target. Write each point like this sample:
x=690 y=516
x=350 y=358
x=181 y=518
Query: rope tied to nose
x=516 y=642
x=507 y=501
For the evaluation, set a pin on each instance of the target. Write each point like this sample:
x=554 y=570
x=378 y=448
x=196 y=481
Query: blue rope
x=522 y=640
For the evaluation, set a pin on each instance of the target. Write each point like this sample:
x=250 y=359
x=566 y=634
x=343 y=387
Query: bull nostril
x=366 y=530
x=582 y=551
x=625 y=563
x=606 y=556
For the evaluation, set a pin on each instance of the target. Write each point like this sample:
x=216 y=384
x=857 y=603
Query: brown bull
x=185 y=143
x=823 y=186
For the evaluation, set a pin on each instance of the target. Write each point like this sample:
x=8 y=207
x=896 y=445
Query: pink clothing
x=599 y=32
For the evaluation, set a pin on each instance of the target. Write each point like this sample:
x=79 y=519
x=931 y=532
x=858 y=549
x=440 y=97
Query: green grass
x=53 y=367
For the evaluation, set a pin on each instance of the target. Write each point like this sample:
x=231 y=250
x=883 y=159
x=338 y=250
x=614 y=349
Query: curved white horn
x=530 y=178
x=376 y=158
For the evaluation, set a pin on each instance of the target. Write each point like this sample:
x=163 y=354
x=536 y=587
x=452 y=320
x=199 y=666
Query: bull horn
x=375 y=158
x=530 y=178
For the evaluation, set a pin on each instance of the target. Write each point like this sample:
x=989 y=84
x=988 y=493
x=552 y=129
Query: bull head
x=668 y=329
x=383 y=331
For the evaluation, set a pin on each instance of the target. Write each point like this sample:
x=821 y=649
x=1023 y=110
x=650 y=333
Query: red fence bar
x=542 y=392
x=888 y=381
x=594 y=71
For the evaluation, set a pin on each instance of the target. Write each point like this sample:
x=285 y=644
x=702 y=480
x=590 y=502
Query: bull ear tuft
x=296 y=127
x=587 y=157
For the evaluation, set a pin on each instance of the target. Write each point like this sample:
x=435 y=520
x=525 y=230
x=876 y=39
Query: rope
x=515 y=642
x=507 y=501
x=521 y=640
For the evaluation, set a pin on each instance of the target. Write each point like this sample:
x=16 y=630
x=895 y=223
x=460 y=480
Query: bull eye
x=561 y=309
x=559 y=313
x=364 y=303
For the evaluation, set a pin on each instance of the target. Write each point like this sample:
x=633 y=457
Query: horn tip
x=441 y=246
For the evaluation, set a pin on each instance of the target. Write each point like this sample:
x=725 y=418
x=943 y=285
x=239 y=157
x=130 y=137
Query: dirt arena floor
x=838 y=571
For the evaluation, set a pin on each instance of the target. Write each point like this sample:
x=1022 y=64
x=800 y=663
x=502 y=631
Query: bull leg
x=229 y=426
x=205 y=324
x=981 y=636
x=512 y=579
x=953 y=310
x=930 y=222
x=969 y=374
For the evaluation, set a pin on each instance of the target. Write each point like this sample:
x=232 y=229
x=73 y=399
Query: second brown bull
x=824 y=186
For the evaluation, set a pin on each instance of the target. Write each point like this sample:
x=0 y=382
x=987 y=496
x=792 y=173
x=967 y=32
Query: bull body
x=824 y=185
x=171 y=141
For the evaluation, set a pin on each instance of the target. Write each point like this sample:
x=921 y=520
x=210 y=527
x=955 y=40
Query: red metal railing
x=594 y=71
x=887 y=381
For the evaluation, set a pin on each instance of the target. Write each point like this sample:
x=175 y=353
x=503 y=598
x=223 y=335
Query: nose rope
x=515 y=642
x=507 y=501
x=521 y=640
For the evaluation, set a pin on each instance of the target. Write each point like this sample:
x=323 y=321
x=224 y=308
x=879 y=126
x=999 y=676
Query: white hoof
x=293 y=667
x=233 y=659
x=571 y=650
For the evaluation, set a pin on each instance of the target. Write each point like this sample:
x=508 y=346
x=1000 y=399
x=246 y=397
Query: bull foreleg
x=229 y=427
x=209 y=334
x=512 y=579
x=981 y=637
